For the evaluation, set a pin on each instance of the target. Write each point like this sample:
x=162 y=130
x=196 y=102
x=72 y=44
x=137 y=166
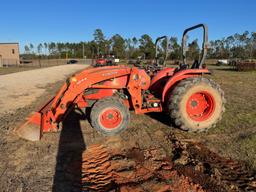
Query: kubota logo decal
x=81 y=81
x=109 y=74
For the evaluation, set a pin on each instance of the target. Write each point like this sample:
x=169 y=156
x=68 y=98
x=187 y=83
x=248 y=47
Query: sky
x=35 y=21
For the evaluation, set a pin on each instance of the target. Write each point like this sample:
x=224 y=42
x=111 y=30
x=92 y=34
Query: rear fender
x=167 y=72
x=184 y=74
x=159 y=80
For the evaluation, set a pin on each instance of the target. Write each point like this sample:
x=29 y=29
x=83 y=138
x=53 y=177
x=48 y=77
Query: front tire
x=196 y=104
x=109 y=116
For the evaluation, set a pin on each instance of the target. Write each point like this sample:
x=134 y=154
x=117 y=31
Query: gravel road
x=21 y=89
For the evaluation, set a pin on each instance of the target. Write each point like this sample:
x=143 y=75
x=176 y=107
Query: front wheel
x=109 y=116
x=196 y=104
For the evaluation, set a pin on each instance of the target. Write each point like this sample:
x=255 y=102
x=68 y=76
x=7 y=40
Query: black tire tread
x=177 y=94
x=106 y=102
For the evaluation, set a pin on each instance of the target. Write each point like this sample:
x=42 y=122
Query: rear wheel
x=196 y=104
x=109 y=116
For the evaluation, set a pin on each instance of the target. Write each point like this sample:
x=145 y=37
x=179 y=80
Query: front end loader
x=193 y=102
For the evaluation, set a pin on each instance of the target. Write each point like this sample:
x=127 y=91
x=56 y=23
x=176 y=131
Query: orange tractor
x=193 y=102
x=104 y=60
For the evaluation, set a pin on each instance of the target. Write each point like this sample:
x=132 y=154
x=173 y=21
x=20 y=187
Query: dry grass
x=235 y=135
x=7 y=70
x=32 y=166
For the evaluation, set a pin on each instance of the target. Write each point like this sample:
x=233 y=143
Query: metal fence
x=245 y=66
x=41 y=62
x=8 y=62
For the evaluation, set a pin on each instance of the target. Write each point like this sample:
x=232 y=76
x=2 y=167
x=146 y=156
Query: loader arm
x=54 y=111
x=78 y=84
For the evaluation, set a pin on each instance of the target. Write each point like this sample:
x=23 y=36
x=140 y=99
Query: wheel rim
x=110 y=118
x=200 y=106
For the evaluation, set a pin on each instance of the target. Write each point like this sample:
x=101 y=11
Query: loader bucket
x=35 y=125
x=31 y=129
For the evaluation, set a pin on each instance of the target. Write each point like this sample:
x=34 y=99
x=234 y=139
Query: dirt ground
x=54 y=163
x=21 y=89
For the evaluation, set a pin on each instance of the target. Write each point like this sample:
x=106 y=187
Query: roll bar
x=204 y=45
x=166 y=49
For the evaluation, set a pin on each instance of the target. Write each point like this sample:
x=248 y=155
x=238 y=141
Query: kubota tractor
x=105 y=60
x=192 y=101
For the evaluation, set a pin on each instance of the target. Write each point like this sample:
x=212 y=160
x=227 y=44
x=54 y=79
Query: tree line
x=235 y=46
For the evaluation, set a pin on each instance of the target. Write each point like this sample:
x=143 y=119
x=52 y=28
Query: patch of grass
x=235 y=135
x=247 y=146
x=238 y=119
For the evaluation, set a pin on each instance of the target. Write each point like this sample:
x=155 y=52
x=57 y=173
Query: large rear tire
x=196 y=104
x=109 y=116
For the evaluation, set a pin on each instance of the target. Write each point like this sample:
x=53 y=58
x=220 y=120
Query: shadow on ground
x=162 y=118
x=69 y=157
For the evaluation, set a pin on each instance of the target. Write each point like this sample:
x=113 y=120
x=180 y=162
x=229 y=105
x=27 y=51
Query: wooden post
x=1 y=64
